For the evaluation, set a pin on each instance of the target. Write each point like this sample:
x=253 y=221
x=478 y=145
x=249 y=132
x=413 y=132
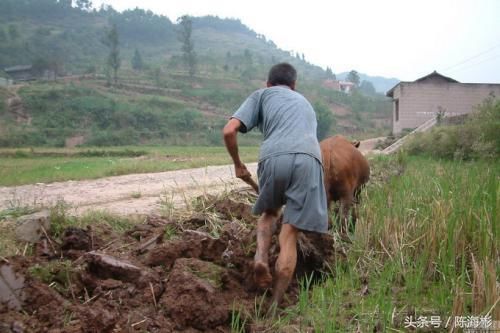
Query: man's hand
x=241 y=171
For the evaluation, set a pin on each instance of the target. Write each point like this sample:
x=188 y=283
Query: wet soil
x=160 y=276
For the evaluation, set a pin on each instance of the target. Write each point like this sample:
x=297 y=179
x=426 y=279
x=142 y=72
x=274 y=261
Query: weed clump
x=477 y=138
x=60 y=219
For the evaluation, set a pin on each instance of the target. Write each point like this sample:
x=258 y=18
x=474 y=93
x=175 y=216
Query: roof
x=390 y=92
x=17 y=68
x=436 y=74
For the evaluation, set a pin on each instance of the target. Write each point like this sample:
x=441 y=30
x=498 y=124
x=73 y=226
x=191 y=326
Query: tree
x=111 y=40
x=248 y=57
x=184 y=36
x=56 y=64
x=329 y=74
x=353 y=77
x=13 y=32
x=84 y=4
x=367 y=88
x=40 y=64
x=228 y=61
x=66 y=4
x=325 y=120
x=3 y=35
x=157 y=76
x=137 y=63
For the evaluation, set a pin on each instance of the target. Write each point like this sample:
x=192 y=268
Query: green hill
x=160 y=103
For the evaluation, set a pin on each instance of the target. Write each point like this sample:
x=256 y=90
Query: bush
x=186 y=120
x=22 y=137
x=115 y=138
x=325 y=120
x=476 y=138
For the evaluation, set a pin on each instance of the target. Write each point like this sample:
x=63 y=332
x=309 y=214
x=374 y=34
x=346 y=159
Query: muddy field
x=184 y=274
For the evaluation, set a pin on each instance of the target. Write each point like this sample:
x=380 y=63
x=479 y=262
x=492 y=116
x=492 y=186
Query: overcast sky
x=391 y=38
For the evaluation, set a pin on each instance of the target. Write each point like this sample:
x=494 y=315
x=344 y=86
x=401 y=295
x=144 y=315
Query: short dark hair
x=282 y=74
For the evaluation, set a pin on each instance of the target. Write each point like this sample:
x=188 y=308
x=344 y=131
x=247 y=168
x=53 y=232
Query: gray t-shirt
x=286 y=119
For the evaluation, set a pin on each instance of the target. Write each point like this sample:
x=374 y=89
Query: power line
x=477 y=63
x=472 y=58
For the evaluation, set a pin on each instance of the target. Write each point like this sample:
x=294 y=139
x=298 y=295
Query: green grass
x=40 y=169
x=426 y=244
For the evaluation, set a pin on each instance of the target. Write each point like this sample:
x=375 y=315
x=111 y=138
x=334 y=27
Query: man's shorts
x=294 y=180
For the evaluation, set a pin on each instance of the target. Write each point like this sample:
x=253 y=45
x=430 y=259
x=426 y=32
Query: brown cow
x=346 y=171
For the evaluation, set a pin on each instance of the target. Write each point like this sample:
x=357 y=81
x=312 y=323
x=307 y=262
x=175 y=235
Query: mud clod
x=100 y=320
x=106 y=267
x=76 y=239
x=190 y=245
x=234 y=210
x=193 y=296
x=164 y=275
x=11 y=288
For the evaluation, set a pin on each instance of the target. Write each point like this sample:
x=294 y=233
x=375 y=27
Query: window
x=396 y=109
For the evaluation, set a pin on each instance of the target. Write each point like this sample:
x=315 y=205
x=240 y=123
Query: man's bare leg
x=262 y=275
x=287 y=260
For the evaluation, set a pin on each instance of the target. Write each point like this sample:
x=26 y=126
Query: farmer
x=289 y=171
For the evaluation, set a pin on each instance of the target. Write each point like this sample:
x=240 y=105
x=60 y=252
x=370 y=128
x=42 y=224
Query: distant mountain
x=381 y=84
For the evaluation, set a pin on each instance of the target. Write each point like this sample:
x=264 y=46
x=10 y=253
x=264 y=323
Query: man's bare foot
x=262 y=276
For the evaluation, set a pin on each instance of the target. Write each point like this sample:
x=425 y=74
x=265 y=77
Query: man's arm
x=230 y=133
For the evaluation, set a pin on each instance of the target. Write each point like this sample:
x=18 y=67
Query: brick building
x=416 y=102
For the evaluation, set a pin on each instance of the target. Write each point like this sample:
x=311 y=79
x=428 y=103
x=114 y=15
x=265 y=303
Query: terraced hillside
x=158 y=102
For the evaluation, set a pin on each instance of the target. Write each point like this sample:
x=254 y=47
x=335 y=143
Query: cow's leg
x=287 y=259
x=357 y=194
x=345 y=213
x=262 y=275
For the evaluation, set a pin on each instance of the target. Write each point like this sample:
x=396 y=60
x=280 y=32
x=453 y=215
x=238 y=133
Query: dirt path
x=129 y=194
x=133 y=194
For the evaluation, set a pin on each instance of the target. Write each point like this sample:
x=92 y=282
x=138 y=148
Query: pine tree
x=112 y=42
x=329 y=74
x=353 y=77
x=184 y=36
x=137 y=63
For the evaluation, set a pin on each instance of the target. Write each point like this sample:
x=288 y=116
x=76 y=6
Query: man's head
x=282 y=74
